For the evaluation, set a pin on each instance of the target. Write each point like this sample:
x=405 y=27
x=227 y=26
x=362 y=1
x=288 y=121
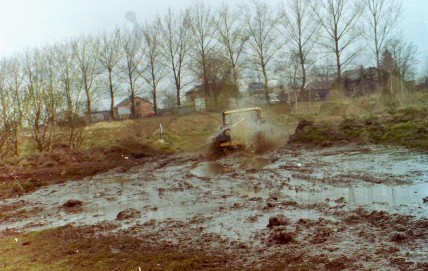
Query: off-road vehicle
x=238 y=127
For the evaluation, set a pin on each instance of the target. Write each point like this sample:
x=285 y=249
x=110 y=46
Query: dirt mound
x=316 y=134
x=279 y=220
x=127 y=214
x=281 y=237
x=73 y=205
x=406 y=127
x=63 y=163
x=279 y=234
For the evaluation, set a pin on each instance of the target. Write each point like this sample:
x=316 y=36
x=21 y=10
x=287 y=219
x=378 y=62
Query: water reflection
x=389 y=195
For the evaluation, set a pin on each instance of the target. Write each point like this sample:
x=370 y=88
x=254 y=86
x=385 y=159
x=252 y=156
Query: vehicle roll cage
x=256 y=109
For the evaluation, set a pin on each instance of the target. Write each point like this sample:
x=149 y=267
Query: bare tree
x=65 y=65
x=219 y=76
x=405 y=56
x=261 y=22
x=85 y=50
x=169 y=99
x=423 y=76
x=232 y=37
x=4 y=107
x=109 y=57
x=131 y=44
x=38 y=101
x=153 y=71
x=175 y=44
x=339 y=20
x=49 y=77
x=300 y=30
x=203 y=31
x=382 y=17
x=11 y=103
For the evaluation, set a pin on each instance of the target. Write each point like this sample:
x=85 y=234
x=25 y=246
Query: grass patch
x=180 y=133
x=408 y=127
x=333 y=109
x=83 y=248
x=69 y=248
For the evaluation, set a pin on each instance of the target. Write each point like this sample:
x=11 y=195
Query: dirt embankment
x=407 y=127
x=27 y=174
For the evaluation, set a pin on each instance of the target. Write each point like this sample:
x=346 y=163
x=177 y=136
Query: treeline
x=253 y=41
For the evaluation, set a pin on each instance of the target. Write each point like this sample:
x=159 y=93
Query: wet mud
x=338 y=208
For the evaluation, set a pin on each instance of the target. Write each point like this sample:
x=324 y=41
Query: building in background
x=143 y=108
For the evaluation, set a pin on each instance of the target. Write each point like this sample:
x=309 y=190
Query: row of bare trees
x=199 y=45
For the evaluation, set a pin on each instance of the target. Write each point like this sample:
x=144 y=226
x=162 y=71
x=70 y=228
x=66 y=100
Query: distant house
x=212 y=91
x=423 y=85
x=256 y=88
x=195 y=93
x=98 y=116
x=122 y=110
x=198 y=97
x=143 y=108
x=362 y=81
x=212 y=97
x=289 y=96
x=100 y=111
x=318 y=91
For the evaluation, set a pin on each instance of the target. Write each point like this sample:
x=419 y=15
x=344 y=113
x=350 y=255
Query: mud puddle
x=387 y=165
x=327 y=196
x=189 y=188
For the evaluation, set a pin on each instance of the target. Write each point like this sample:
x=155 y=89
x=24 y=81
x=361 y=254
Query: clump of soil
x=398 y=237
x=322 y=234
x=281 y=237
x=405 y=127
x=73 y=205
x=127 y=214
x=338 y=264
x=278 y=220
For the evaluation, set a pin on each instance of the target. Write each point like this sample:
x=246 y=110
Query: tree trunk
x=266 y=89
x=110 y=79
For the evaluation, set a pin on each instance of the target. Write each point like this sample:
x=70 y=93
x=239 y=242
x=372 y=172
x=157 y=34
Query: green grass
x=407 y=127
x=180 y=133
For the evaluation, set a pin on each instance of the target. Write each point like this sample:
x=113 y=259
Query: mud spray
x=257 y=135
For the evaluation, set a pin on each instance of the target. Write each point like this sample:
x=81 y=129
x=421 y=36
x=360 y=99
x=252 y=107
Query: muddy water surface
x=235 y=196
x=392 y=179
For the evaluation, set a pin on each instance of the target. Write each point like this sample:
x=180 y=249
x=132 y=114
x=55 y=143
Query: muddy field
x=338 y=208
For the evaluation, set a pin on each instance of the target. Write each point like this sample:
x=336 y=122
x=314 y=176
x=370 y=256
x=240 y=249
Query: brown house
x=318 y=91
x=196 y=92
x=363 y=81
x=143 y=108
x=217 y=96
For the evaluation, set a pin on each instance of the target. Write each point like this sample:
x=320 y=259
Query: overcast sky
x=27 y=24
